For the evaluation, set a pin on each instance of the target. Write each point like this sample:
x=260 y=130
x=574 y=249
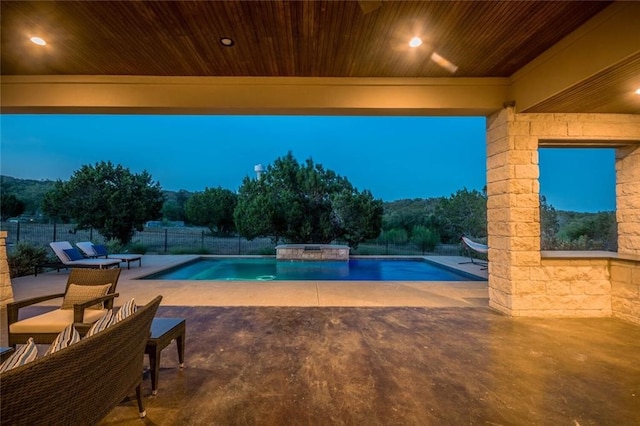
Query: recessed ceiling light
x=637 y=91
x=415 y=42
x=226 y=42
x=38 y=41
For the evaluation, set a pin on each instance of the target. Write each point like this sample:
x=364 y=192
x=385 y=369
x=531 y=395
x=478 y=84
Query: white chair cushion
x=54 y=321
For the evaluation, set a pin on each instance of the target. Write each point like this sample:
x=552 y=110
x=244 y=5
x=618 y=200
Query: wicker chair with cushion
x=89 y=292
x=82 y=383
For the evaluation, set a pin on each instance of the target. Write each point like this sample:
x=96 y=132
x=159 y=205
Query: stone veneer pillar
x=628 y=199
x=521 y=282
x=513 y=214
x=625 y=275
x=6 y=291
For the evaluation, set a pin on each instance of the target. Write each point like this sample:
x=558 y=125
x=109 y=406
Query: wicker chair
x=82 y=383
x=44 y=328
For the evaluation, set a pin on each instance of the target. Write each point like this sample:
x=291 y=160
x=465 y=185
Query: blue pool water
x=267 y=269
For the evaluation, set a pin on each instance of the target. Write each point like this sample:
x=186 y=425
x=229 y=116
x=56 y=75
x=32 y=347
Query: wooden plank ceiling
x=282 y=38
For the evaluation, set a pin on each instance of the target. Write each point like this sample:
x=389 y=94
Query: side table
x=5 y=352
x=163 y=331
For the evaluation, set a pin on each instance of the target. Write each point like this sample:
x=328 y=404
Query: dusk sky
x=393 y=157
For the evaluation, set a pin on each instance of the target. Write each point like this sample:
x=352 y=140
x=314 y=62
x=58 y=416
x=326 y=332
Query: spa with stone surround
x=312 y=252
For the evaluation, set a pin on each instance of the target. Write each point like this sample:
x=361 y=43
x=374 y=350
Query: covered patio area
x=392 y=366
x=552 y=340
x=372 y=353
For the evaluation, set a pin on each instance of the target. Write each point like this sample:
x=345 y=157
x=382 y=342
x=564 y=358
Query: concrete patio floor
x=394 y=353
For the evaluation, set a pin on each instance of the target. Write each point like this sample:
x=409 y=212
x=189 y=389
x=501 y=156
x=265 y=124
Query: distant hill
x=30 y=191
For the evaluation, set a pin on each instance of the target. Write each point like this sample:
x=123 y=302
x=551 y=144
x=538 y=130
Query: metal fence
x=188 y=240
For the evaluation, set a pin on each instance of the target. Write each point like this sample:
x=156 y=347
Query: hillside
x=32 y=192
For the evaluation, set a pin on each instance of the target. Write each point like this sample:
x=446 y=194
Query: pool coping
x=476 y=275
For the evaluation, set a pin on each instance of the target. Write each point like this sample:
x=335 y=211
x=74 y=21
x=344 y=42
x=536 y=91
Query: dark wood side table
x=163 y=331
x=5 y=352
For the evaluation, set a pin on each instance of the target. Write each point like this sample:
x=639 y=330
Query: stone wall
x=6 y=291
x=312 y=252
x=570 y=288
x=625 y=290
x=520 y=281
x=628 y=198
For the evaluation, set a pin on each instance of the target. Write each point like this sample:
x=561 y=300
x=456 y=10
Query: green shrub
x=425 y=238
x=264 y=251
x=24 y=258
x=190 y=250
x=138 y=248
x=114 y=246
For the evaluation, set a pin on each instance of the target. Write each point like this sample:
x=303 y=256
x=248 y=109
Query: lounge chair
x=70 y=256
x=471 y=246
x=95 y=250
x=45 y=327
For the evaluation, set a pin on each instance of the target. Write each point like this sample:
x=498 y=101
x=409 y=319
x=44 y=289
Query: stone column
x=513 y=211
x=628 y=199
x=6 y=291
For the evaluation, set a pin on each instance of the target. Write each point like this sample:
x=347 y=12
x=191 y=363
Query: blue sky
x=393 y=157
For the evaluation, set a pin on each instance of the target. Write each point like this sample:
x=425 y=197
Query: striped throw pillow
x=66 y=337
x=82 y=293
x=125 y=310
x=102 y=323
x=24 y=354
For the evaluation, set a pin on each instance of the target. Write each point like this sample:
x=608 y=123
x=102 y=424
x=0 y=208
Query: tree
x=358 y=214
x=549 y=225
x=589 y=231
x=408 y=213
x=424 y=237
x=29 y=191
x=174 y=205
x=465 y=212
x=108 y=198
x=56 y=204
x=212 y=208
x=304 y=203
x=10 y=206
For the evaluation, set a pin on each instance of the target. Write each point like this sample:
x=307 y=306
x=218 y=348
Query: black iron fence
x=188 y=240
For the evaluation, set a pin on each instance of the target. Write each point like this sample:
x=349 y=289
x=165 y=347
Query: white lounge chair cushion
x=91 y=249
x=81 y=293
x=54 y=321
x=87 y=248
x=24 y=354
x=60 y=246
x=66 y=337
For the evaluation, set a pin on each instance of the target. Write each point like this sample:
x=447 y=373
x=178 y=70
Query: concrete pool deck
x=275 y=293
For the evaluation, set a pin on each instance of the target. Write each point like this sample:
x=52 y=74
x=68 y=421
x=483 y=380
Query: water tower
x=259 y=169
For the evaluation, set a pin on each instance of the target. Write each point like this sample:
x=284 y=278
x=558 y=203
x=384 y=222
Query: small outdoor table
x=5 y=352
x=163 y=331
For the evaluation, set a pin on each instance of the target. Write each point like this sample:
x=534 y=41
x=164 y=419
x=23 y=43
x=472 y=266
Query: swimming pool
x=268 y=269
